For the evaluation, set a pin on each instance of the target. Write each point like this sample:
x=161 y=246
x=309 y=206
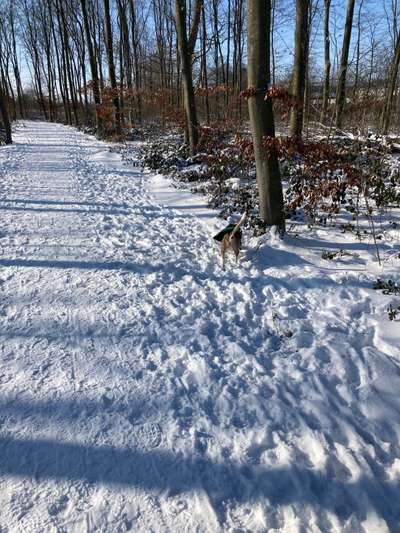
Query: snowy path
x=144 y=389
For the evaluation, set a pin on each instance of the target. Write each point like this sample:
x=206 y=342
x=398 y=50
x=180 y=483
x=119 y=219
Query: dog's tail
x=236 y=228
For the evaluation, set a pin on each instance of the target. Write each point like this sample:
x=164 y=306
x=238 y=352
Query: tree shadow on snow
x=176 y=274
x=62 y=203
x=268 y=257
x=94 y=211
x=161 y=470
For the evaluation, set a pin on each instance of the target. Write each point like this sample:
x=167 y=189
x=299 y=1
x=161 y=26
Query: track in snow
x=144 y=389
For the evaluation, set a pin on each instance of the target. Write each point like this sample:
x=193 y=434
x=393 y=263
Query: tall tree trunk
x=58 y=59
x=216 y=53
x=5 y=116
x=62 y=20
x=194 y=28
x=93 y=68
x=15 y=64
x=357 y=72
x=327 y=58
x=186 y=62
x=111 y=67
x=341 y=88
x=273 y=11
x=300 y=66
x=135 y=48
x=126 y=51
x=204 y=63
x=84 y=80
x=390 y=89
x=228 y=52
x=261 y=112
x=239 y=75
x=11 y=95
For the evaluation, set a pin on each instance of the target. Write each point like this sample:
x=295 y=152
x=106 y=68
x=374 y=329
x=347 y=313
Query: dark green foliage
x=387 y=287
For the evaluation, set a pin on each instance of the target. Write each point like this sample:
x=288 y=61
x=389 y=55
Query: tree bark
x=261 y=112
x=327 y=58
x=135 y=48
x=341 y=88
x=5 y=116
x=14 y=59
x=204 y=63
x=66 y=54
x=126 y=50
x=197 y=10
x=358 y=46
x=93 y=68
x=186 y=62
x=391 y=85
x=300 y=66
x=111 y=66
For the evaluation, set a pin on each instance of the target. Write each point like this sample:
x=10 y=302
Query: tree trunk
x=228 y=52
x=16 y=69
x=62 y=22
x=126 y=49
x=239 y=71
x=5 y=116
x=261 y=112
x=204 y=63
x=216 y=53
x=327 y=58
x=341 y=88
x=58 y=59
x=93 y=68
x=186 y=62
x=300 y=66
x=111 y=67
x=273 y=62
x=357 y=72
x=390 y=89
x=135 y=48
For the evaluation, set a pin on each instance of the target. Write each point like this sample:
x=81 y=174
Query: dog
x=231 y=239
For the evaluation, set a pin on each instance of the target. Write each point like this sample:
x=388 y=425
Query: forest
x=82 y=62
x=203 y=70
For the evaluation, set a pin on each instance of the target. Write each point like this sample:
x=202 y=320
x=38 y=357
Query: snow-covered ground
x=180 y=199
x=144 y=389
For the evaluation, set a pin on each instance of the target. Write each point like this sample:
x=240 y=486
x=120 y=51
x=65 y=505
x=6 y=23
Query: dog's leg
x=235 y=245
x=224 y=245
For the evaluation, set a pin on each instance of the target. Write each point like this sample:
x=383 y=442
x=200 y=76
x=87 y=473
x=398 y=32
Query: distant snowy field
x=144 y=389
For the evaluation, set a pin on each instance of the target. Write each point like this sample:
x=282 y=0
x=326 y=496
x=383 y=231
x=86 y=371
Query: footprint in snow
x=59 y=506
x=148 y=435
x=107 y=401
x=202 y=441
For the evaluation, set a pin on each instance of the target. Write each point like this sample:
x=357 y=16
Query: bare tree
x=390 y=88
x=261 y=112
x=5 y=116
x=135 y=48
x=93 y=66
x=358 y=49
x=300 y=65
x=327 y=58
x=111 y=66
x=186 y=46
x=341 y=87
x=14 y=59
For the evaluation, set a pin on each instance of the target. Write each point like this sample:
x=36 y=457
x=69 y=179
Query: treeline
x=113 y=64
